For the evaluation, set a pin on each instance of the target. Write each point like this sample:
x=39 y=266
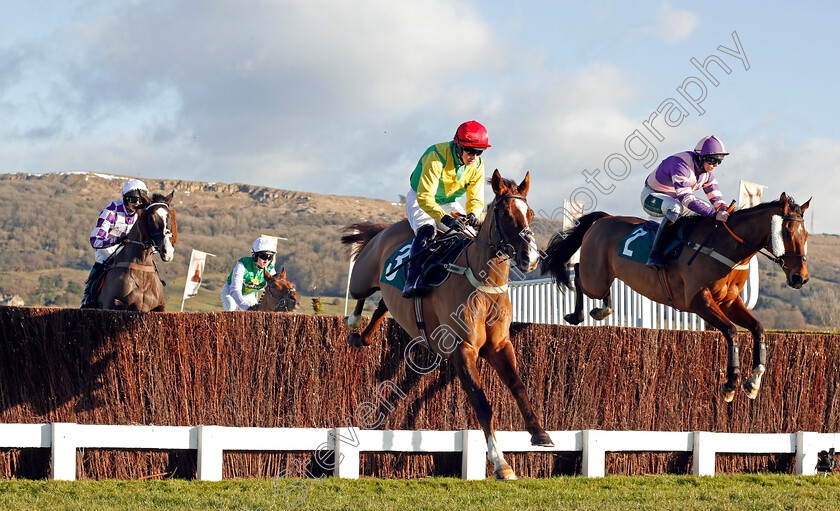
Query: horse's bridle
x=166 y=232
x=286 y=302
x=779 y=260
x=506 y=246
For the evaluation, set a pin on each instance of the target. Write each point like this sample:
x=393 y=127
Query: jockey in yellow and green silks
x=241 y=290
x=446 y=172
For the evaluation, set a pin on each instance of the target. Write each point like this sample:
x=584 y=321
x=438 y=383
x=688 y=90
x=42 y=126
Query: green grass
x=736 y=492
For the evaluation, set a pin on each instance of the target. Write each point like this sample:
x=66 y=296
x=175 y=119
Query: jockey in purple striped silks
x=110 y=232
x=669 y=191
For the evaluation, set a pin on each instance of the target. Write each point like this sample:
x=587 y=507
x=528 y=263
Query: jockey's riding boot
x=414 y=285
x=89 y=298
x=663 y=235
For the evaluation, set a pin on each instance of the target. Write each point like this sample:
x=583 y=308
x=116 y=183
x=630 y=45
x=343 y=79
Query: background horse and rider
x=132 y=282
x=468 y=316
x=708 y=284
x=279 y=294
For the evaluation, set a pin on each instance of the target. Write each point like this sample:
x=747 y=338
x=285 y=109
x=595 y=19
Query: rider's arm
x=236 y=279
x=682 y=179
x=713 y=192
x=475 y=190
x=101 y=236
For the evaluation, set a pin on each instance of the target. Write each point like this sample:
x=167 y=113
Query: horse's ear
x=168 y=198
x=283 y=273
x=267 y=275
x=524 y=185
x=496 y=182
x=145 y=197
x=783 y=198
x=805 y=206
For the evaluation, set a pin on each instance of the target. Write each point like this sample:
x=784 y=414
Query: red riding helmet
x=472 y=134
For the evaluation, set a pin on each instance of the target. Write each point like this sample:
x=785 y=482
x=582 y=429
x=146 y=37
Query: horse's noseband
x=287 y=302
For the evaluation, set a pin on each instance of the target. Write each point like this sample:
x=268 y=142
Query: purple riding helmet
x=710 y=145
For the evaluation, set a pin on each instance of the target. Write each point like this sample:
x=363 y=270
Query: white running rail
x=338 y=449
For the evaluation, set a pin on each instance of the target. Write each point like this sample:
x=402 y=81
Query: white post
x=347 y=291
x=63 y=451
x=806 y=453
x=704 y=453
x=346 y=453
x=209 y=453
x=594 y=454
x=473 y=455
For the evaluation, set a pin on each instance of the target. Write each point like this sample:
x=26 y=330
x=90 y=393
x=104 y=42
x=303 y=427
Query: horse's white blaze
x=533 y=250
x=777 y=245
x=168 y=249
x=494 y=454
x=354 y=321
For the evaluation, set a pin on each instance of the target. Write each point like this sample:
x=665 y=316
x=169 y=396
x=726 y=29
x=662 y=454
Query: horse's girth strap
x=136 y=266
x=467 y=272
x=421 y=324
x=663 y=279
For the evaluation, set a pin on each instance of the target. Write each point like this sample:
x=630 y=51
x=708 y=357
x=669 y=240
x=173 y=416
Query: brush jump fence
x=343 y=455
x=93 y=394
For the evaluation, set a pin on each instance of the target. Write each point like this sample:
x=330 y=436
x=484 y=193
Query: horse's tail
x=359 y=235
x=563 y=246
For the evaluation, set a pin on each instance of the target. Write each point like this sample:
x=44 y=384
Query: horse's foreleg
x=464 y=359
x=354 y=322
x=576 y=317
x=504 y=361
x=740 y=315
x=705 y=307
x=375 y=321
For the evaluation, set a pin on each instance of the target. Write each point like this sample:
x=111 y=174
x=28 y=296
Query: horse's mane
x=776 y=204
x=510 y=183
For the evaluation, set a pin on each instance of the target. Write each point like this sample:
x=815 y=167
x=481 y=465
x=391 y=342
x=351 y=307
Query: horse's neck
x=488 y=266
x=755 y=229
x=134 y=251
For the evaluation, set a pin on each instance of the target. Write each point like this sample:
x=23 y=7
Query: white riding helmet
x=265 y=244
x=132 y=185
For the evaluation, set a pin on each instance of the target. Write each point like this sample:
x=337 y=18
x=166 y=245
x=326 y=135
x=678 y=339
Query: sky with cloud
x=342 y=97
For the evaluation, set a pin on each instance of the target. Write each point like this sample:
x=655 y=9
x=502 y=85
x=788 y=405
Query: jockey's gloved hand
x=722 y=215
x=456 y=224
x=472 y=220
x=121 y=240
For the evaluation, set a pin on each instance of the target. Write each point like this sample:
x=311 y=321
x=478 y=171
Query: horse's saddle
x=442 y=251
x=636 y=245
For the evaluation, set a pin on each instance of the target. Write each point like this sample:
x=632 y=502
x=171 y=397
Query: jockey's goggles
x=713 y=159
x=265 y=256
x=472 y=150
x=133 y=200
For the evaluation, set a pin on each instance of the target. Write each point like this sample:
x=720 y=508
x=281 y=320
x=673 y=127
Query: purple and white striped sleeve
x=100 y=238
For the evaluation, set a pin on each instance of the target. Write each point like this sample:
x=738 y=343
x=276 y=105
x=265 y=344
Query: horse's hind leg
x=740 y=315
x=357 y=340
x=600 y=313
x=464 y=359
x=504 y=361
x=576 y=317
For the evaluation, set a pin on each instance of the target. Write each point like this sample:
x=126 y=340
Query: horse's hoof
x=726 y=393
x=542 y=440
x=600 y=313
x=504 y=473
x=354 y=339
x=572 y=319
x=750 y=391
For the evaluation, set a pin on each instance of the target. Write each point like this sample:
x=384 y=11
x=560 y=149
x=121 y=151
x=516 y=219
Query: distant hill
x=46 y=220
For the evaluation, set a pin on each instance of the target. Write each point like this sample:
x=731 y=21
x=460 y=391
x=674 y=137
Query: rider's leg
x=663 y=235
x=89 y=298
x=414 y=285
